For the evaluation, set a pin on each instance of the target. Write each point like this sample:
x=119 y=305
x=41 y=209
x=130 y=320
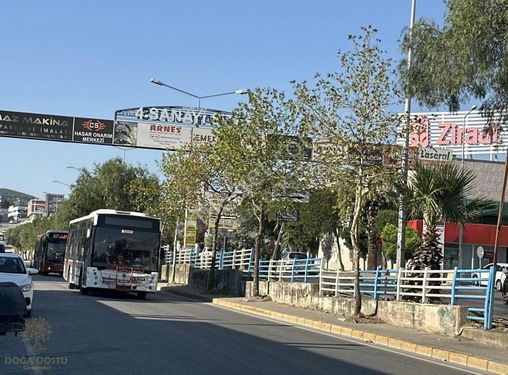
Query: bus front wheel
x=141 y=295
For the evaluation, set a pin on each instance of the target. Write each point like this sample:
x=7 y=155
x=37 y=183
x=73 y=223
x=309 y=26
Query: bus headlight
x=26 y=287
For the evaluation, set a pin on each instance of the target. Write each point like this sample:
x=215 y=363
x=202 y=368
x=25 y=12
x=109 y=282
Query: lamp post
x=61 y=183
x=198 y=97
x=76 y=168
x=402 y=220
x=463 y=140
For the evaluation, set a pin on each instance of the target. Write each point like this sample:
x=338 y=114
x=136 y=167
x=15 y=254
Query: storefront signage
x=474 y=133
x=433 y=154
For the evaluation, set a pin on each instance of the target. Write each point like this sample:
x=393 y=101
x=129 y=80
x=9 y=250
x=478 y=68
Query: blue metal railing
x=294 y=270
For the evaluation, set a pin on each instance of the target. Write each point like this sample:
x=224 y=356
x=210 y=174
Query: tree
x=110 y=185
x=439 y=193
x=113 y=185
x=465 y=57
x=347 y=110
x=389 y=241
x=258 y=139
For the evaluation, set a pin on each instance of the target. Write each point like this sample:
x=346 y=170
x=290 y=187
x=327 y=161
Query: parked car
x=12 y=308
x=294 y=255
x=12 y=269
x=499 y=273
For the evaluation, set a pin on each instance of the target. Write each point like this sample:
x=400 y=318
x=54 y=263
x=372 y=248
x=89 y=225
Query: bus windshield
x=56 y=251
x=114 y=247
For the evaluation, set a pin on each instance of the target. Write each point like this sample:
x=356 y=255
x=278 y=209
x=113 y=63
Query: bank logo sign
x=455 y=132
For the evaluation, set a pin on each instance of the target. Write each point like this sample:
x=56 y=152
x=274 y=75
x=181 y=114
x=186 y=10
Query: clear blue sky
x=90 y=58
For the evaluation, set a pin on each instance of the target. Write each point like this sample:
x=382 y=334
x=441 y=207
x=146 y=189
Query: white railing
x=236 y=259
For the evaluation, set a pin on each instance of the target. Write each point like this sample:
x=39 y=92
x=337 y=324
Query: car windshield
x=11 y=265
x=117 y=247
x=56 y=251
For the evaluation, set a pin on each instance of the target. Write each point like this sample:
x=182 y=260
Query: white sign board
x=432 y=154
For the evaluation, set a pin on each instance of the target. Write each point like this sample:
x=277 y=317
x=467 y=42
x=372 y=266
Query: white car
x=499 y=274
x=13 y=269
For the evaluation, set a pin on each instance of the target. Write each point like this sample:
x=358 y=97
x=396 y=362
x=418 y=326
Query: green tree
x=464 y=57
x=257 y=139
x=113 y=185
x=348 y=110
x=439 y=192
x=389 y=241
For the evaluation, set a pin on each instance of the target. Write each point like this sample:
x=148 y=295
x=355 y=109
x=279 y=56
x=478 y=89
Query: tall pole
x=500 y=212
x=463 y=141
x=401 y=234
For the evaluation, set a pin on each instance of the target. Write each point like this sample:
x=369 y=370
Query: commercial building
x=52 y=203
x=16 y=213
x=36 y=208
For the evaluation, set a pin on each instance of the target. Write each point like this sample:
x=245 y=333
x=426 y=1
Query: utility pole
x=401 y=234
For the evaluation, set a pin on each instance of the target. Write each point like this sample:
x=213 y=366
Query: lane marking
x=375 y=346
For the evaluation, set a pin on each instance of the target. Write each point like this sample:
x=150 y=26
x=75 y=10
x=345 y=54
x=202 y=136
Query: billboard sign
x=171 y=137
x=36 y=126
x=164 y=127
x=89 y=130
x=455 y=132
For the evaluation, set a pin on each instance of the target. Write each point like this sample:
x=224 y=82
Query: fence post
x=250 y=265
x=337 y=283
x=489 y=299
x=399 y=274
x=281 y=262
x=376 y=282
x=306 y=270
x=293 y=270
x=425 y=284
x=454 y=283
x=233 y=260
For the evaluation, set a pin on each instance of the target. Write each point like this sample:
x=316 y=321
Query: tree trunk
x=372 y=238
x=215 y=236
x=175 y=242
x=339 y=250
x=277 y=244
x=257 y=253
x=356 y=248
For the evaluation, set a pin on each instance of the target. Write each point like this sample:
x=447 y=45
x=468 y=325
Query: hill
x=12 y=195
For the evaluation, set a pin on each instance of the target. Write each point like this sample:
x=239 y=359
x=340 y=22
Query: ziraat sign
x=455 y=132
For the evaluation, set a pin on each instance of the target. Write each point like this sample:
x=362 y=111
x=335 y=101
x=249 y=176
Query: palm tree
x=439 y=192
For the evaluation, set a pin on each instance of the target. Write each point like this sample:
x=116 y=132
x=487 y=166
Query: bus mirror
x=88 y=233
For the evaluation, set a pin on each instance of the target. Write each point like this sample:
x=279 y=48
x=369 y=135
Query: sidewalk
x=461 y=350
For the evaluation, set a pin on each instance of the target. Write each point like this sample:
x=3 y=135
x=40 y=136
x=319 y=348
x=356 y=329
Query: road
x=165 y=334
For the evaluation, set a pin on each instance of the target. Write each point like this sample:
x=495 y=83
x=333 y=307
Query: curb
x=411 y=347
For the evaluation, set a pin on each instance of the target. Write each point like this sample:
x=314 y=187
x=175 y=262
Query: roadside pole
x=402 y=220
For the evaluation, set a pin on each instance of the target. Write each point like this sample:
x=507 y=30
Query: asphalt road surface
x=109 y=334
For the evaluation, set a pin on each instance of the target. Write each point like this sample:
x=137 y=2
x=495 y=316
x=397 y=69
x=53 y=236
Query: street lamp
x=463 y=138
x=236 y=92
x=61 y=183
x=76 y=168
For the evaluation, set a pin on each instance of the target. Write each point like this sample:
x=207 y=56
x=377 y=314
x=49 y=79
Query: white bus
x=114 y=250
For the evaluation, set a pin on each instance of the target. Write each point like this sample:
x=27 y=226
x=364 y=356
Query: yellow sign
x=190 y=229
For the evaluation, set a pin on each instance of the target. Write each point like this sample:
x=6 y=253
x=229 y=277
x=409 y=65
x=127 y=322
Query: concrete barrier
x=435 y=318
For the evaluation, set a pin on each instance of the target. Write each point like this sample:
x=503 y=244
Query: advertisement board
x=36 y=126
x=471 y=132
x=164 y=127
x=89 y=130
